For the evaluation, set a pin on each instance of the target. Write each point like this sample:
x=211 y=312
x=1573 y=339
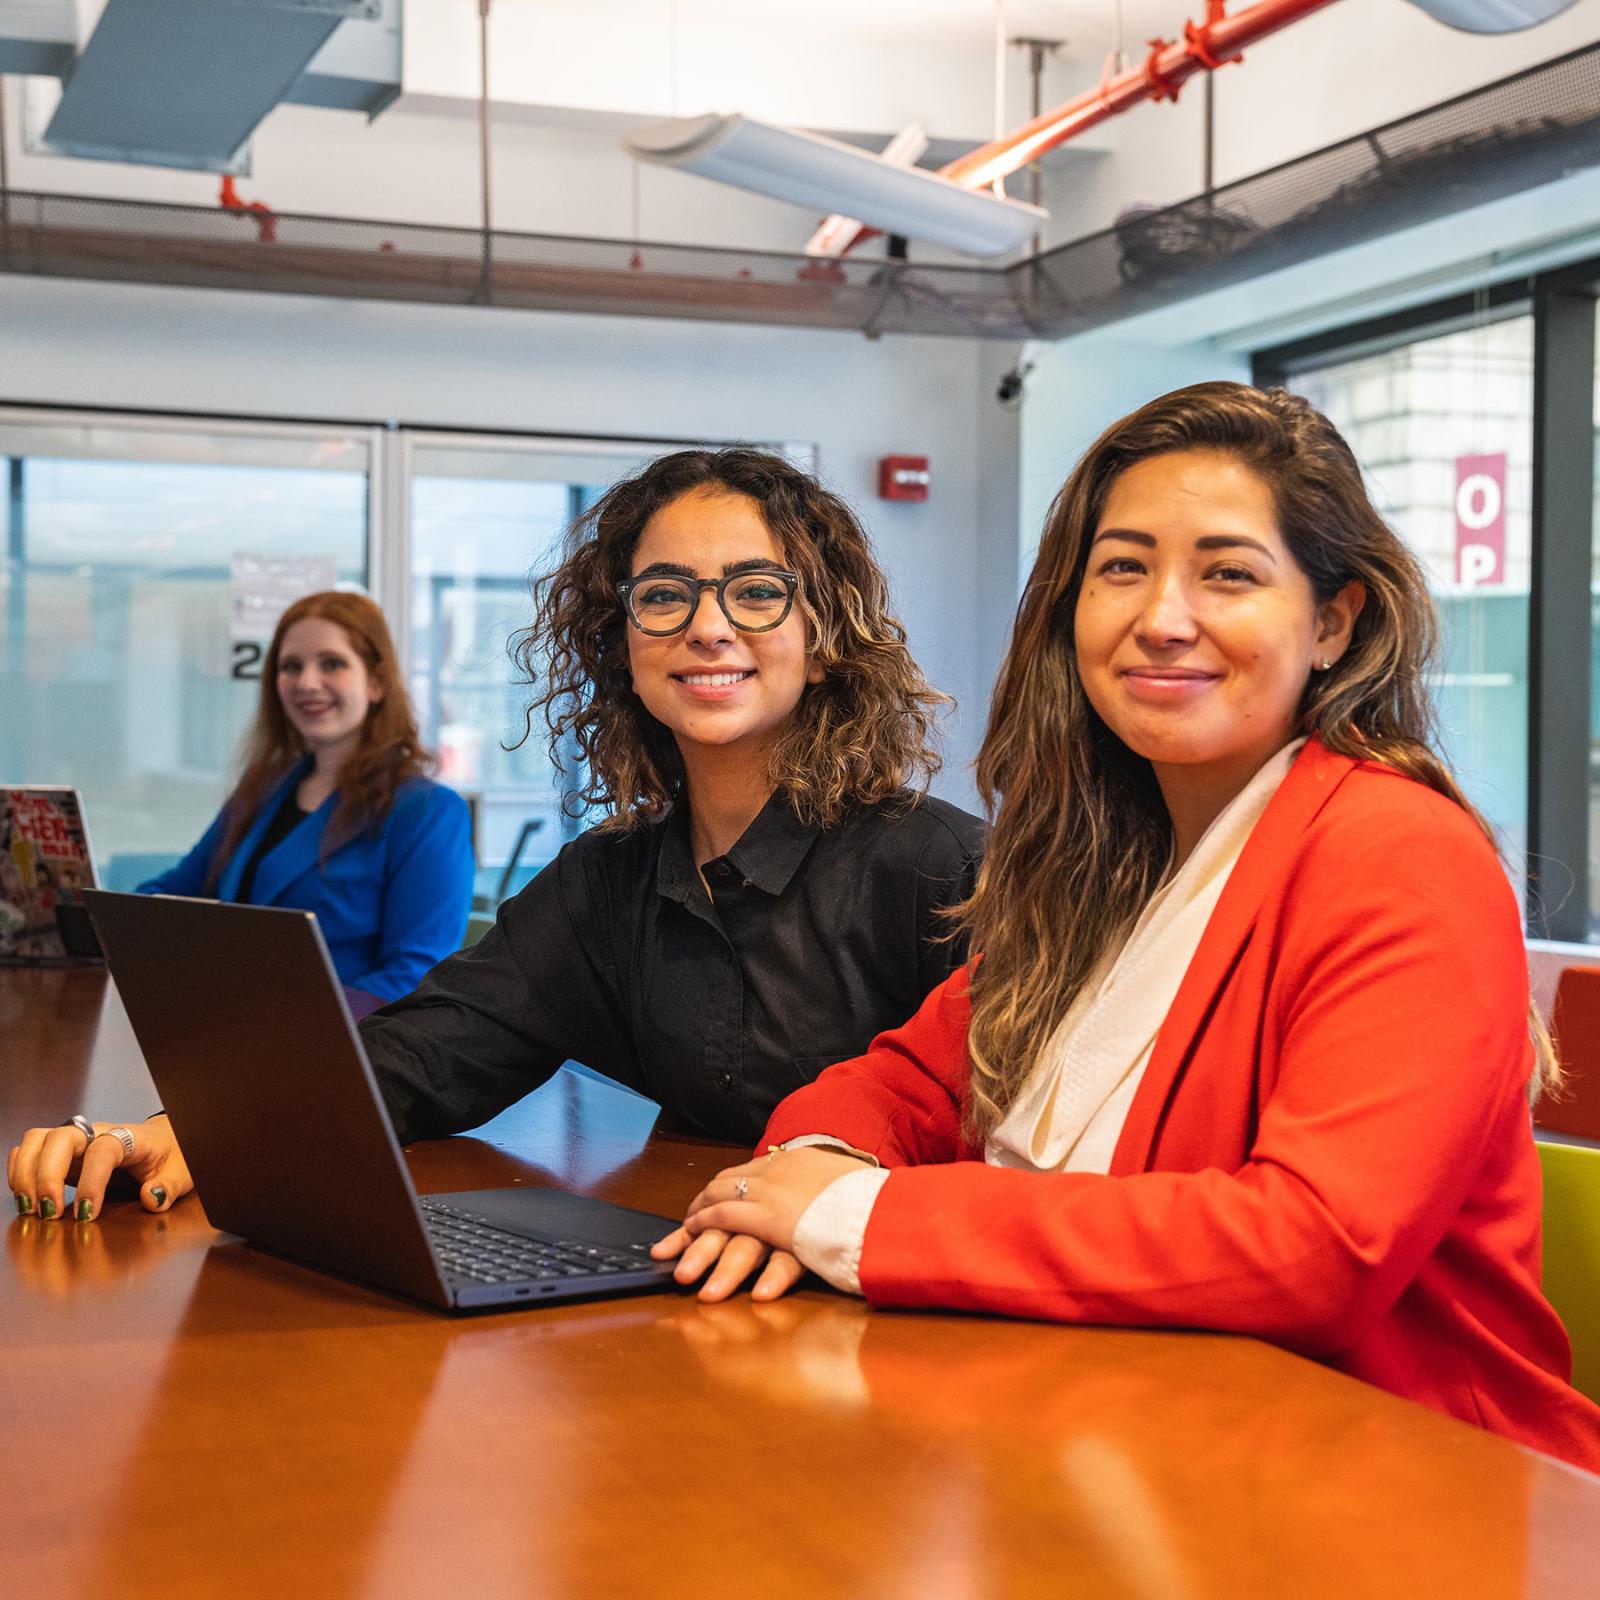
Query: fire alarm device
x=903 y=478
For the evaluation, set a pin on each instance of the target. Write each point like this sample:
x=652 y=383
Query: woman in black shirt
x=765 y=893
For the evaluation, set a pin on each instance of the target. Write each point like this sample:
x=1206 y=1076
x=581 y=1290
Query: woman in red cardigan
x=1248 y=1046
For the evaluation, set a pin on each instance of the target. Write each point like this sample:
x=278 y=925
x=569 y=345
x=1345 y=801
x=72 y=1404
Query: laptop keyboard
x=472 y=1247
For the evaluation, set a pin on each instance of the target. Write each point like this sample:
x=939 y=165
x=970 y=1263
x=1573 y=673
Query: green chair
x=1572 y=1252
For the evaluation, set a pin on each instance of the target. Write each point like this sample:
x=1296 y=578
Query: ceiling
x=1087 y=25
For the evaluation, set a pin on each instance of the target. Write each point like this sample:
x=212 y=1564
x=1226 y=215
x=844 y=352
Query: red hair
x=389 y=752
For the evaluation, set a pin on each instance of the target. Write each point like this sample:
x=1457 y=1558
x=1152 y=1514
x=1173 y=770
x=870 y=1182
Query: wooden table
x=183 y=1416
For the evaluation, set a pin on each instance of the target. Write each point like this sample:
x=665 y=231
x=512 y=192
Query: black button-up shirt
x=811 y=941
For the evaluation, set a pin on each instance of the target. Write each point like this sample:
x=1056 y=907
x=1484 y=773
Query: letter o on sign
x=1478 y=502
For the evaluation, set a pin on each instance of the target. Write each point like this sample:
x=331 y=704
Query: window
x=1475 y=420
x=1443 y=429
x=137 y=551
x=487 y=514
x=118 y=672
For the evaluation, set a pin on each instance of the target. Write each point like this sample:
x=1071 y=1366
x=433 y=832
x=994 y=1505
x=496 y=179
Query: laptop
x=240 y=1018
x=45 y=865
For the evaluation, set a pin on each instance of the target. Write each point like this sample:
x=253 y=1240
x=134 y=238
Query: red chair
x=1576 y=1025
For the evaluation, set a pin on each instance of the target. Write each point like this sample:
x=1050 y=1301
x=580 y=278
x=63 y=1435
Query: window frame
x=1562 y=303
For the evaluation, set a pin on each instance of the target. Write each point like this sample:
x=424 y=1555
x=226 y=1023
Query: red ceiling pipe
x=266 y=222
x=1170 y=64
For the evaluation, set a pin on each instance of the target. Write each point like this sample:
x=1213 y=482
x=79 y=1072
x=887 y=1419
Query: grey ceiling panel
x=38 y=37
x=358 y=69
x=185 y=82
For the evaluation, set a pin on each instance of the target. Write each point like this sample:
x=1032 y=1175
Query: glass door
x=135 y=552
x=486 y=515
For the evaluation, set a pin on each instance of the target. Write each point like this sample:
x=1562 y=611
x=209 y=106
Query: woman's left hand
x=745 y=1211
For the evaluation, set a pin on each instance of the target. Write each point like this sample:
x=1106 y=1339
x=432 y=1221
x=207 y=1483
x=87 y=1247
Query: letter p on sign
x=1480 y=520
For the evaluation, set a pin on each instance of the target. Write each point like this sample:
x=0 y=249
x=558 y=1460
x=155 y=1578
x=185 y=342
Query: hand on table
x=746 y=1216
x=48 y=1159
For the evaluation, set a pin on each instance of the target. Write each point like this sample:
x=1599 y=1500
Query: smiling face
x=1195 y=629
x=711 y=684
x=324 y=685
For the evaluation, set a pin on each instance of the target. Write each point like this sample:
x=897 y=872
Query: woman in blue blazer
x=333 y=813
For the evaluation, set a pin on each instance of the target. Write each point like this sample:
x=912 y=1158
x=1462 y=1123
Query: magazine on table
x=45 y=864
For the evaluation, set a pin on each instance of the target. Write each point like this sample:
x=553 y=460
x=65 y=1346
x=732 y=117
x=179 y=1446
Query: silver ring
x=741 y=1187
x=123 y=1137
x=82 y=1124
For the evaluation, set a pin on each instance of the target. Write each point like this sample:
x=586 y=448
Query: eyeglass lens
x=752 y=600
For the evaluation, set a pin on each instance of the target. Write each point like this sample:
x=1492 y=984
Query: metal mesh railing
x=79 y=237
x=1508 y=136
x=1520 y=132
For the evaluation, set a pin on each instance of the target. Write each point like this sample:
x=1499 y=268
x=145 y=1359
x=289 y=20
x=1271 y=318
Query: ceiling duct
x=358 y=69
x=184 y=83
x=38 y=38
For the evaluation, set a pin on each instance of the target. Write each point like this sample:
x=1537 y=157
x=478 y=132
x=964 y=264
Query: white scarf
x=1071 y=1110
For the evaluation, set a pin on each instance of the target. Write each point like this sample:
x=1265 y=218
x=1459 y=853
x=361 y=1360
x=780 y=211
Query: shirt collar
x=770 y=850
x=676 y=878
x=767 y=855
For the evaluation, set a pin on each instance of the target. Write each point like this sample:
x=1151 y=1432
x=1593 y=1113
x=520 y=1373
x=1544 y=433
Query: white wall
x=209 y=352
x=654 y=60
x=570 y=77
x=1079 y=387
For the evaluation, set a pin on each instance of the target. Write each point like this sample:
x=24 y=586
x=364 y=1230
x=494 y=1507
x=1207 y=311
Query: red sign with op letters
x=1481 y=520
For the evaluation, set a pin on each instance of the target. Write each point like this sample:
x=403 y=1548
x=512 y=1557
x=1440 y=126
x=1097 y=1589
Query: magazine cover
x=44 y=862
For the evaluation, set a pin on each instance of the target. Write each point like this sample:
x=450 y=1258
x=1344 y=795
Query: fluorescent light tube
x=823 y=174
x=837 y=231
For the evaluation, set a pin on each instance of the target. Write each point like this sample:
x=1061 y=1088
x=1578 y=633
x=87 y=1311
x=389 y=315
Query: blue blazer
x=390 y=904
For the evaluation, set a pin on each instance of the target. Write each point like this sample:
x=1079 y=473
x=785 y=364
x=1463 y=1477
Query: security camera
x=1010 y=390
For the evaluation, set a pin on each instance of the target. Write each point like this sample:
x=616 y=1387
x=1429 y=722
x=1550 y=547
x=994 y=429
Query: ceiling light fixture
x=1492 y=16
x=825 y=175
x=906 y=149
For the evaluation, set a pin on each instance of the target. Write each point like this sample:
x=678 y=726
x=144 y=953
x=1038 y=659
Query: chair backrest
x=1572 y=1252
x=1576 y=1025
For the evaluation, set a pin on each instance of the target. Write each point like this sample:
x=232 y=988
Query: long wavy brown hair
x=859 y=736
x=390 y=750
x=1081 y=837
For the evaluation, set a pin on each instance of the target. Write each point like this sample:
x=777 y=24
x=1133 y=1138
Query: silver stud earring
x=1324 y=666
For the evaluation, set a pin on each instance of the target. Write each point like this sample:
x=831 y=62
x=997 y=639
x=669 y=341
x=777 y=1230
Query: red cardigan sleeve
x=1385 y=1049
x=903 y=1100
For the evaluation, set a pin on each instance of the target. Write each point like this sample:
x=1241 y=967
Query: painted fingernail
x=85 y=1210
x=25 y=1204
x=159 y=1195
x=47 y=1208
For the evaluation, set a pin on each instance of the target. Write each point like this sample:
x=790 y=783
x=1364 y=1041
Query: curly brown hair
x=390 y=750
x=1081 y=837
x=859 y=736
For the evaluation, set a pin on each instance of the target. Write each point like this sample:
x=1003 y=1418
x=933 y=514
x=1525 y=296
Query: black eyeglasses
x=754 y=602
